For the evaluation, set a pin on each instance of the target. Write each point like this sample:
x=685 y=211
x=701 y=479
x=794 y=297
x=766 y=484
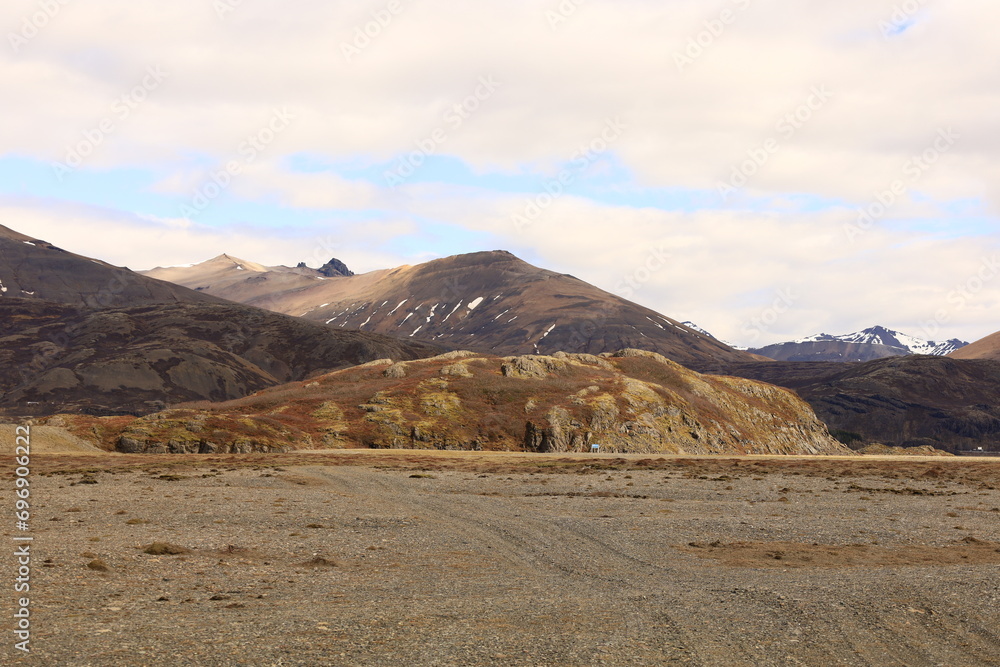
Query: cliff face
x=686 y=414
x=632 y=401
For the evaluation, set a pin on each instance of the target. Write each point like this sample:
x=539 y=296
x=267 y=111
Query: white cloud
x=686 y=129
x=142 y=243
x=609 y=58
x=728 y=268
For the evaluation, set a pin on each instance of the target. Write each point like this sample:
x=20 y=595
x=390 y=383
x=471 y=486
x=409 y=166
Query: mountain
x=34 y=269
x=874 y=343
x=948 y=403
x=630 y=401
x=695 y=327
x=488 y=302
x=65 y=348
x=61 y=358
x=984 y=348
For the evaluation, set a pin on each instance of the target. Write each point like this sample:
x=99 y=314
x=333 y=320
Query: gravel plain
x=416 y=558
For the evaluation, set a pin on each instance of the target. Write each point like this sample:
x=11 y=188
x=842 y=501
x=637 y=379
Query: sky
x=768 y=170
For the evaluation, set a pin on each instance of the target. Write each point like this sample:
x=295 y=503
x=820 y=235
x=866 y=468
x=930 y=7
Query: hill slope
x=61 y=358
x=633 y=401
x=34 y=269
x=81 y=335
x=489 y=302
x=984 y=348
x=951 y=404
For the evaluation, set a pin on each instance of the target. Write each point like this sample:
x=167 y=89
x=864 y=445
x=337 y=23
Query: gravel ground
x=414 y=559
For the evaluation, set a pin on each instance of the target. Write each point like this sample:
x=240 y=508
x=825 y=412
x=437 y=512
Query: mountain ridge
x=82 y=335
x=31 y=268
x=490 y=302
x=915 y=400
x=876 y=342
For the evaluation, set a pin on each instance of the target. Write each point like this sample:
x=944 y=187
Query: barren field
x=407 y=558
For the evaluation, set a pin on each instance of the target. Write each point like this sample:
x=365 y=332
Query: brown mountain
x=62 y=358
x=81 y=335
x=985 y=348
x=632 y=401
x=948 y=403
x=34 y=269
x=489 y=302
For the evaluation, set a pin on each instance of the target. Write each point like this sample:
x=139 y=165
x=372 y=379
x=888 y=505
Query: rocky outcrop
x=632 y=401
x=192 y=432
x=531 y=366
x=721 y=415
x=335 y=269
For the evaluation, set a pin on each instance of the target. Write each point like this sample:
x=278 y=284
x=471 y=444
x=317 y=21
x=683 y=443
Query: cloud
x=889 y=96
x=707 y=97
x=726 y=269
x=139 y=242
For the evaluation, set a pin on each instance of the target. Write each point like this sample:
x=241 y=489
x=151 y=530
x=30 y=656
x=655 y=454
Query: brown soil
x=401 y=557
x=966 y=551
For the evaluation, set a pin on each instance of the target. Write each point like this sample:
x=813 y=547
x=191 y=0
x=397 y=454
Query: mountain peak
x=872 y=343
x=240 y=264
x=490 y=302
x=335 y=269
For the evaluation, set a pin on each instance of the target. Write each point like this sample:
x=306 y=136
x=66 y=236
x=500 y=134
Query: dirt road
x=405 y=559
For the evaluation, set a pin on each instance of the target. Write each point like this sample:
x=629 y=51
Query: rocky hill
x=632 y=401
x=488 y=302
x=943 y=402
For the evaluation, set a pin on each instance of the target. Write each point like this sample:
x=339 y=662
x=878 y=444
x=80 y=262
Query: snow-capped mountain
x=874 y=343
x=695 y=327
x=881 y=336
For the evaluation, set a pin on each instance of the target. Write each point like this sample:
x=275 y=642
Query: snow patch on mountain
x=695 y=327
x=878 y=335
